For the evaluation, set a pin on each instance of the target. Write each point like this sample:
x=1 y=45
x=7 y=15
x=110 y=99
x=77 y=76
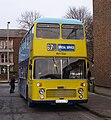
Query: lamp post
x=8 y=63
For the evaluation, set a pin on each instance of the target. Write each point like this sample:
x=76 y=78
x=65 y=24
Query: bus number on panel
x=51 y=47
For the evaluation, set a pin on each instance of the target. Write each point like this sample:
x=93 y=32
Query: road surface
x=13 y=107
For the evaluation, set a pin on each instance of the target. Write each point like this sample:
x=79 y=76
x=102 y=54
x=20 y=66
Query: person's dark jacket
x=12 y=82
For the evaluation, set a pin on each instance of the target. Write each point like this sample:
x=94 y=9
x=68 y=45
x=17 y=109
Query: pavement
x=98 y=104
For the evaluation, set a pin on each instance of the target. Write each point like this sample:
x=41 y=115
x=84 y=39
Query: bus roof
x=58 y=20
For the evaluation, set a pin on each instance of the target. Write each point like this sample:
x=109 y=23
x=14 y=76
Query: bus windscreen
x=59 y=68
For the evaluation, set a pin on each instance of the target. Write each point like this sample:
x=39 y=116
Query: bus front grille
x=51 y=93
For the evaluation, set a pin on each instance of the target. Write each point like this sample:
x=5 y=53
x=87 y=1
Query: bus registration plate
x=61 y=101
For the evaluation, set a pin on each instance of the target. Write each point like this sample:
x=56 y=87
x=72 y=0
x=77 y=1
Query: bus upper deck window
x=48 y=31
x=73 y=32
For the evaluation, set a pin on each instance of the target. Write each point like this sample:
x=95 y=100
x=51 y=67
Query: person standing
x=12 y=84
x=89 y=79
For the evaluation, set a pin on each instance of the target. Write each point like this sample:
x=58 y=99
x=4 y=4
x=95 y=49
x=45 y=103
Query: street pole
x=8 y=57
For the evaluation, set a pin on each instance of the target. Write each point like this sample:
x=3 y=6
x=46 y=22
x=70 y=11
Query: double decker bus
x=53 y=62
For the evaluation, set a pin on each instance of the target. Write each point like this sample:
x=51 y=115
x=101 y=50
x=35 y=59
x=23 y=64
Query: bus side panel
x=23 y=72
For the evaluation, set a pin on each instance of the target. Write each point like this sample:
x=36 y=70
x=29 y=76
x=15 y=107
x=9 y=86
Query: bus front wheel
x=30 y=104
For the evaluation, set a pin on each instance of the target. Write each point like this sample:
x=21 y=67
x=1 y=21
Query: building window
x=3 y=57
x=4 y=44
x=11 y=68
x=11 y=44
x=0 y=44
x=3 y=70
x=11 y=58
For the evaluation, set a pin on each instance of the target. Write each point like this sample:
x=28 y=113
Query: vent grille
x=50 y=93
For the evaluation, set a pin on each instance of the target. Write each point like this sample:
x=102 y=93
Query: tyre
x=20 y=95
x=30 y=104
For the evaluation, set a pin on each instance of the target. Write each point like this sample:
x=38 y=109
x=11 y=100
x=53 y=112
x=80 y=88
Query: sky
x=10 y=10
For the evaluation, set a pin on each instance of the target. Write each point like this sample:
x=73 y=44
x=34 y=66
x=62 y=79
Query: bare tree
x=85 y=16
x=90 y=42
x=81 y=14
x=27 y=18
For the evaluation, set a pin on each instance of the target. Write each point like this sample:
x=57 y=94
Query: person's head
x=13 y=76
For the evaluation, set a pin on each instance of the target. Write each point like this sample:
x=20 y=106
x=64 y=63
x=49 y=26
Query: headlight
x=80 y=90
x=81 y=96
x=41 y=91
x=41 y=96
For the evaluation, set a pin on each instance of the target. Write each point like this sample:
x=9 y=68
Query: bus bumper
x=53 y=102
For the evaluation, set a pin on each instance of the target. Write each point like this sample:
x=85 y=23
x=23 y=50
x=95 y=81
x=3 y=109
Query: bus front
x=59 y=64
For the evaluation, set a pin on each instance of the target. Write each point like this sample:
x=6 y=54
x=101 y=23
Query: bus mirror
x=30 y=67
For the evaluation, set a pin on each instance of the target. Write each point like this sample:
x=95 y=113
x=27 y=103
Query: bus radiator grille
x=51 y=93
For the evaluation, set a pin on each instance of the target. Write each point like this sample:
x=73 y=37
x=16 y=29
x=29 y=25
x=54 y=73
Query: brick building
x=102 y=43
x=9 y=51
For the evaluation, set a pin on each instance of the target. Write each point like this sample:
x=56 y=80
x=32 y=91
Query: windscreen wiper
x=73 y=30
